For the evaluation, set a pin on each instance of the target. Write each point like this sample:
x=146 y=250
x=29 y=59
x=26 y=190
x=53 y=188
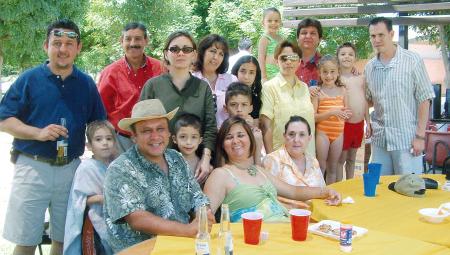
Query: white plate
x=314 y=228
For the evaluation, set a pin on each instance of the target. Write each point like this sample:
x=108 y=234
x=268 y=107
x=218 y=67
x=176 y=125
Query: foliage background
x=23 y=24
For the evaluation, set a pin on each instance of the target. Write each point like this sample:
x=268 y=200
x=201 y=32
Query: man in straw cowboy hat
x=149 y=189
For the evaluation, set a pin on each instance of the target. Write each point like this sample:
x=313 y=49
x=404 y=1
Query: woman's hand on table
x=332 y=197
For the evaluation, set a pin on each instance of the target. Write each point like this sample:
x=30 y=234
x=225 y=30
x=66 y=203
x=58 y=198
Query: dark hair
x=256 y=86
x=221 y=155
x=96 y=125
x=134 y=25
x=333 y=59
x=172 y=37
x=245 y=44
x=309 y=22
x=386 y=21
x=204 y=44
x=236 y=89
x=345 y=45
x=286 y=44
x=297 y=118
x=66 y=24
x=269 y=10
x=188 y=120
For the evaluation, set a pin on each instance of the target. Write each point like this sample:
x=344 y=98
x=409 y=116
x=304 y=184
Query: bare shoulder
x=263 y=40
x=354 y=81
x=220 y=172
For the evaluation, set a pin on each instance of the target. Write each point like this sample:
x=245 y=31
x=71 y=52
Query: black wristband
x=420 y=137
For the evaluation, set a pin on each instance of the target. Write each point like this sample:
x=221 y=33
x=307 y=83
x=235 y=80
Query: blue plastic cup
x=370 y=184
x=375 y=169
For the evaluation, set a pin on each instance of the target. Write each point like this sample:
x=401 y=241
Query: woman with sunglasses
x=284 y=96
x=211 y=66
x=178 y=88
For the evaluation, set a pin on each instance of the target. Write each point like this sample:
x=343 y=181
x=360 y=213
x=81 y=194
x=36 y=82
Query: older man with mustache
x=121 y=82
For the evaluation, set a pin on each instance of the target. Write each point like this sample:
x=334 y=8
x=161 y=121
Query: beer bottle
x=202 y=241
x=225 y=237
x=61 y=147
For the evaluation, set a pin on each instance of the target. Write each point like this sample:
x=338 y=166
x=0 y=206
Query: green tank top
x=248 y=198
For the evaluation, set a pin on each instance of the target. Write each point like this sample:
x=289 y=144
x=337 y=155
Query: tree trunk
x=445 y=56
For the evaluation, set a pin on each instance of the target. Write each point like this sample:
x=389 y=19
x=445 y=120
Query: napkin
x=348 y=200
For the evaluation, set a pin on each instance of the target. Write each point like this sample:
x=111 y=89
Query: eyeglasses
x=285 y=58
x=185 y=49
x=70 y=34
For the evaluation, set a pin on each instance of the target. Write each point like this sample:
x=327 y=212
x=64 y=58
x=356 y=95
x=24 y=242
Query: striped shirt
x=396 y=90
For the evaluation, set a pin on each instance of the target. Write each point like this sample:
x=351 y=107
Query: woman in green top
x=178 y=88
x=244 y=186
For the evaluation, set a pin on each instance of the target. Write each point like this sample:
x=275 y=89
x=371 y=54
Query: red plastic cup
x=299 y=223
x=252 y=227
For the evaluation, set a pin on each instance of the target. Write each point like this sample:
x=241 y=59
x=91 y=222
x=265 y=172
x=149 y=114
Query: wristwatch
x=420 y=137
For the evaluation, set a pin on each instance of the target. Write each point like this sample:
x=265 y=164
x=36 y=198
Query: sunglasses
x=285 y=58
x=185 y=49
x=60 y=33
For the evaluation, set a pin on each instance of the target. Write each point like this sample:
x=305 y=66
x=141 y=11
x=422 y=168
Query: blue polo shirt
x=39 y=98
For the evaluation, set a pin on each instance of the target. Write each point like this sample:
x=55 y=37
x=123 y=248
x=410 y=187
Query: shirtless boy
x=354 y=127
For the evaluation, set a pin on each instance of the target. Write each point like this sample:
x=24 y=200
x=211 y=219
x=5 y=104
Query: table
x=280 y=243
x=389 y=211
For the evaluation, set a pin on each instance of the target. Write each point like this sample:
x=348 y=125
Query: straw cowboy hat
x=146 y=110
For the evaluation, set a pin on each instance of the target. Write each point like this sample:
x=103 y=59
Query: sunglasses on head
x=185 y=49
x=285 y=58
x=60 y=33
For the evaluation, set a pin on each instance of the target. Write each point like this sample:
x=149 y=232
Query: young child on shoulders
x=238 y=102
x=330 y=113
x=268 y=42
x=87 y=187
x=187 y=137
x=357 y=103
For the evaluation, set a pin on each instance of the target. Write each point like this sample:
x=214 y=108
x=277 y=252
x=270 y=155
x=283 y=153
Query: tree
x=200 y=8
x=106 y=19
x=243 y=18
x=23 y=26
x=336 y=36
x=240 y=18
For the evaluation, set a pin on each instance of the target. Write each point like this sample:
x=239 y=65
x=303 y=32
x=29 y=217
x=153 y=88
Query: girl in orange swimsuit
x=330 y=115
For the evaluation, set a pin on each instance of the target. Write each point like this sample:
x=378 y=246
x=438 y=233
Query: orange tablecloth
x=389 y=211
x=280 y=243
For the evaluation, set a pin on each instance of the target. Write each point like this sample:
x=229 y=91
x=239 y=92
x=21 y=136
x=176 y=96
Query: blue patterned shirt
x=396 y=90
x=133 y=184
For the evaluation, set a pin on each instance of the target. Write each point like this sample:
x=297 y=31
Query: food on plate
x=336 y=231
x=325 y=228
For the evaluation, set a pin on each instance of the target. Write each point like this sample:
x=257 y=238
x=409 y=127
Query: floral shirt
x=133 y=184
x=280 y=164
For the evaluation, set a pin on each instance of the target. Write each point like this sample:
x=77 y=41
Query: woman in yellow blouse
x=284 y=96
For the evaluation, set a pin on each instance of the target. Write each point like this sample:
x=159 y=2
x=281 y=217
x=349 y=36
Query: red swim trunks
x=353 y=135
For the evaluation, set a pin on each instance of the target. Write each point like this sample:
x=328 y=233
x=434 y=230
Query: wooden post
x=403 y=33
x=445 y=56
